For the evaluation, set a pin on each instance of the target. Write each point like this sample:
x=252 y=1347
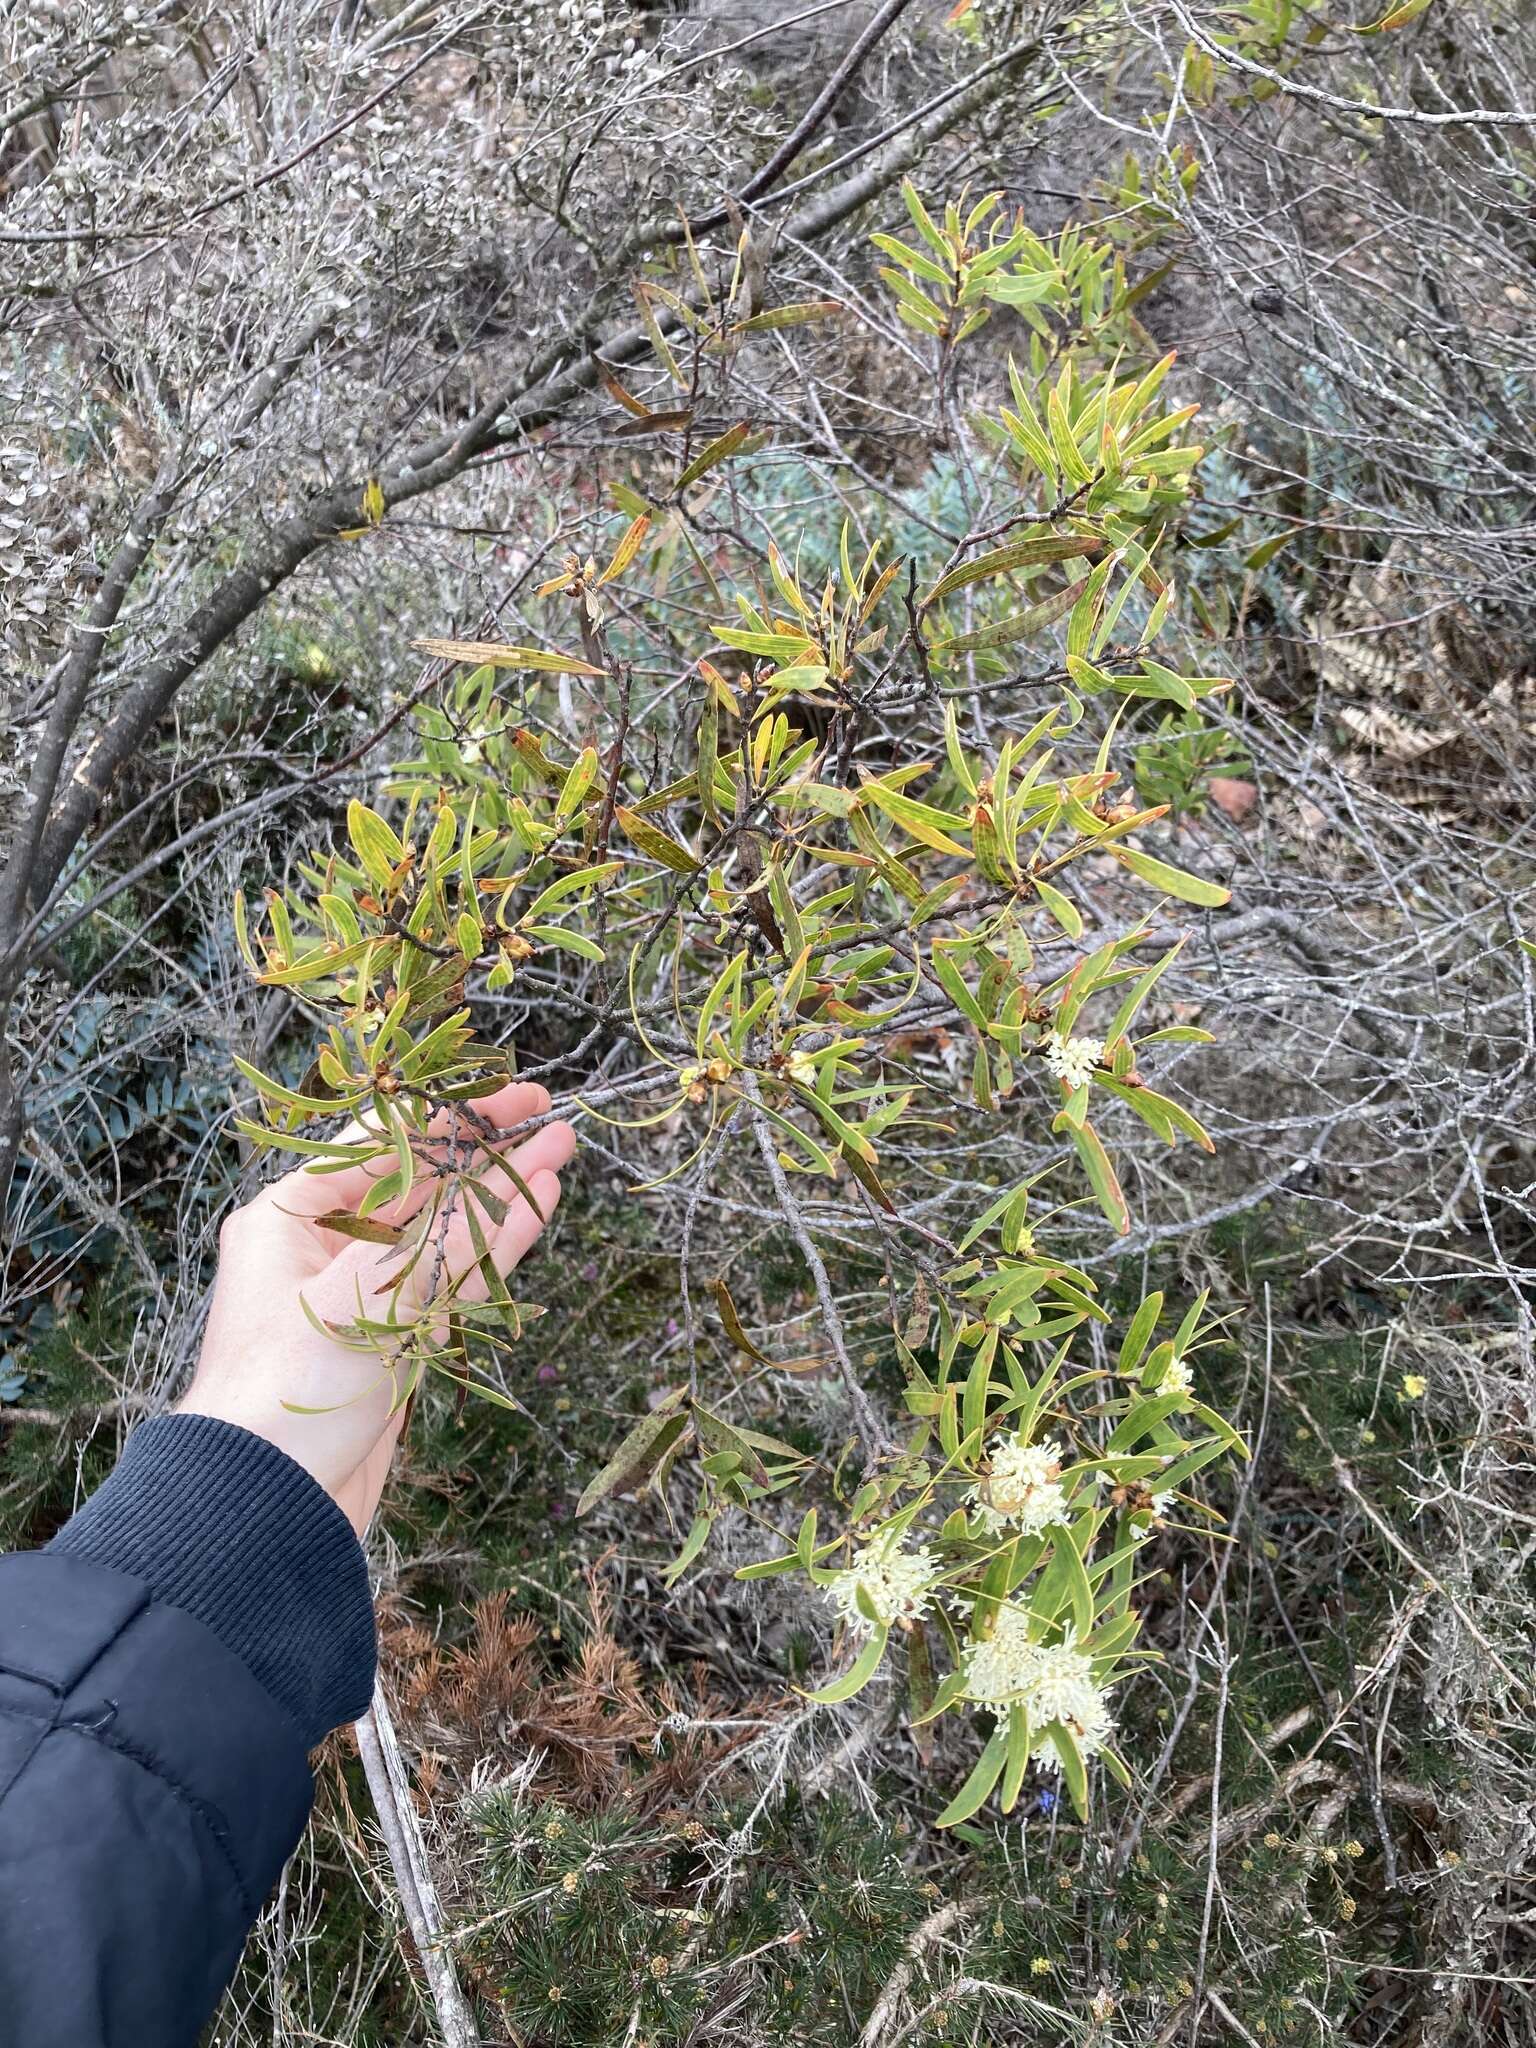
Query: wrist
x=220 y=1522
x=244 y=1408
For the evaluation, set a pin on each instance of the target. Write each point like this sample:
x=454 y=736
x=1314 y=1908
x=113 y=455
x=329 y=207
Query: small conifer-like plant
x=767 y=837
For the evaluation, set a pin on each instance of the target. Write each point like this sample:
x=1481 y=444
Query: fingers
x=547 y=1150
x=508 y=1241
x=517 y=1236
x=536 y=1162
x=311 y=1194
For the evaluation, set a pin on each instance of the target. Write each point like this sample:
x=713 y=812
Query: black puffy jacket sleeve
x=165 y=1666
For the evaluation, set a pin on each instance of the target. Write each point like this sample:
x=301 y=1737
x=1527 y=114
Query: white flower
x=1053 y=1683
x=1178 y=1379
x=1062 y=1683
x=1020 y=1490
x=1092 y=1724
x=1072 y=1059
x=898 y=1583
x=1064 y=1693
x=1004 y=1665
x=1160 y=1506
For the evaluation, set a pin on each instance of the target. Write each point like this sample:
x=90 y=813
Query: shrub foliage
x=773 y=923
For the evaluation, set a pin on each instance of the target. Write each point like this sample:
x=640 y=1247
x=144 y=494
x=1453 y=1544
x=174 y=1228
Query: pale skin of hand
x=261 y=1351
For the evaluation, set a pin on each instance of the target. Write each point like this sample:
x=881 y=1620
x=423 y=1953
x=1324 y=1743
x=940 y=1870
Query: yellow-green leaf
x=855 y=1679
x=787 y=649
x=582 y=775
x=721 y=449
x=1020 y=554
x=575 y=883
x=655 y=843
x=491 y=652
x=1021 y=626
x=788 y=316
x=1172 y=881
x=572 y=942
x=1101 y=1175
x=923 y=821
x=628 y=547
x=1396 y=17
x=1062 y=908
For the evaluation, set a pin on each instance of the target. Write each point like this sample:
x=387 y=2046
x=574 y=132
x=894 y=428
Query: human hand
x=261 y=1350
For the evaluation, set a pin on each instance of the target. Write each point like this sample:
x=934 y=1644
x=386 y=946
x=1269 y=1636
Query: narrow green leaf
x=547 y=661
x=977 y=1788
x=693 y=1543
x=637 y=1454
x=1172 y=881
x=656 y=844
x=955 y=986
x=1073 y=1769
x=854 y=1680
x=1134 y=1347
x=1020 y=1742
x=1019 y=554
x=1021 y=626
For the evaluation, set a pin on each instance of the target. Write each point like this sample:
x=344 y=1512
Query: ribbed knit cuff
x=225 y=1526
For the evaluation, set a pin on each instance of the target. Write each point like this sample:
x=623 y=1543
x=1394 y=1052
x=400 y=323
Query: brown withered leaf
x=632 y=1463
x=615 y=390
x=734 y=1327
x=654 y=423
x=368 y=1228
x=915 y=1329
x=314 y=1083
x=868 y=1179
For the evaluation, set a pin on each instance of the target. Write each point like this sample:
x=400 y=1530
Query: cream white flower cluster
x=1178 y=1379
x=1052 y=1682
x=1021 y=1490
x=1161 y=1505
x=1072 y=1059
x=899 y=1584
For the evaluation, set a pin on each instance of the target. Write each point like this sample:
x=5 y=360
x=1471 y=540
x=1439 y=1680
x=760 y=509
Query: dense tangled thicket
x=850 y=545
